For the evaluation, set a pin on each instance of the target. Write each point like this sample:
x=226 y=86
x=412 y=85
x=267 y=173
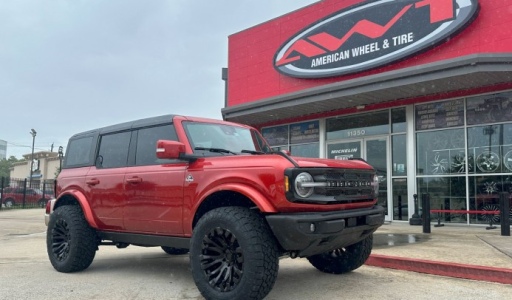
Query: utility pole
x=33 y=133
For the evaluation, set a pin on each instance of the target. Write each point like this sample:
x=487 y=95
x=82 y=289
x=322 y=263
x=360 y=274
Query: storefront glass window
x=400 y=207
x=306 y=132
x=447 y=193
x=399 y=152
x=490 y=148
x=489 y=109
x=306 y=150
x=398 y=120
x=484 y=195
x=439 y=115
x=358 y=125
x=276 y=136
x=302 y=139
x=440 y=152
x=441 y=155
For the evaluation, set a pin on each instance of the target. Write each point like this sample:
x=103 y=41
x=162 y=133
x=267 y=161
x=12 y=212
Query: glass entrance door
x=375 y=152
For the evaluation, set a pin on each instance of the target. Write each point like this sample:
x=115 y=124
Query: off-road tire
x=70 y=242
x=343 y=260
x=233 y=255
x=174 y=251
x=9 y=202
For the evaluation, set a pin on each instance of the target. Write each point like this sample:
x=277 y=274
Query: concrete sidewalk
x=452 y=250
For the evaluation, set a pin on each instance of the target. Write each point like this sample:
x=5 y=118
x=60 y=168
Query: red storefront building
x=421 y=89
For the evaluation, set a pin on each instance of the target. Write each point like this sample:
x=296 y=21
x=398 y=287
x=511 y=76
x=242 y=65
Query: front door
x=375 y=152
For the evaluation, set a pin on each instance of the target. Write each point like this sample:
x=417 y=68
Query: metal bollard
x=400 y=207
x=425 y=204
x=505 y=213
x=415 y=220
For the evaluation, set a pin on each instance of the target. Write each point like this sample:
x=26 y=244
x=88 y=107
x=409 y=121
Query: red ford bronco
x=215 y=190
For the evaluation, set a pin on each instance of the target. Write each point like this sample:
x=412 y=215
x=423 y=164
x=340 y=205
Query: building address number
x=358 y=132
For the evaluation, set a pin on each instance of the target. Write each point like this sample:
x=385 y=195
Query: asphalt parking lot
x=149 y=273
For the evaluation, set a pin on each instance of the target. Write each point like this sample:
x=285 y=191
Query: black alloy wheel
x=222 y=259
x=233 y=255
x=70 y=242
x=60 y=240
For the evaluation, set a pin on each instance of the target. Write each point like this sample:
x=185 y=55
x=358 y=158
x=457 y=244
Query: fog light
x=312 y=227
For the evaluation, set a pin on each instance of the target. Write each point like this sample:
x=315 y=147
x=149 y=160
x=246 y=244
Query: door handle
x=134 y=180
x=93 y=181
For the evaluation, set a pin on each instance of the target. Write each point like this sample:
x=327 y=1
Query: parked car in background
x=19 y=196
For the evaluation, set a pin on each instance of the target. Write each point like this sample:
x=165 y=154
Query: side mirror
x=287 y=152
x=169 y=149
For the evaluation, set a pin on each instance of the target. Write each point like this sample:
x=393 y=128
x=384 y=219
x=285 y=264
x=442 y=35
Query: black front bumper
x=314 y=233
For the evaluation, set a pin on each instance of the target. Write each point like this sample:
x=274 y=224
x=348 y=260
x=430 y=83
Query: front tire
x=233 y=255
x=343 y=260
x=70 y=242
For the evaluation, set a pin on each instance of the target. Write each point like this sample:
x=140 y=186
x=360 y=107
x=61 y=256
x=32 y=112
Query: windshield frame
x=219 y=139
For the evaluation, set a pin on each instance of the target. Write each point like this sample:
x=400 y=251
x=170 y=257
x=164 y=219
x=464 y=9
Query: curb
x=473 y=272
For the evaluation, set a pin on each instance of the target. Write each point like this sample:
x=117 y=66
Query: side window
x=113 y=151
x=78 y=152
x=146 y=143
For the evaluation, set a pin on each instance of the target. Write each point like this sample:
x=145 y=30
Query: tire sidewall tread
x=352 y=257
x=261 y=261
x=83 y=245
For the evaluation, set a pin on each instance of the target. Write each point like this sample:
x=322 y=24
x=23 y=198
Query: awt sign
x=372 y=35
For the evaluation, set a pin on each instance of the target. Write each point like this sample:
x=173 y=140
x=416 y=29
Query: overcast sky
x=68 y=66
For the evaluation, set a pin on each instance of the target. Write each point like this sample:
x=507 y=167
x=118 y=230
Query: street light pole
x=61 y=155
x=33 y=133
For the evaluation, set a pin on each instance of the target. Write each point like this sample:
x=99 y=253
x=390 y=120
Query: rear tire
x=70 y=242
x=9 y=202
x=233 y=255
x=343 y=260
x=174 y=251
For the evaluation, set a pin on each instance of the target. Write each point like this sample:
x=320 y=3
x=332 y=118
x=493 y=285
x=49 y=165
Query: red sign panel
x=372 y=35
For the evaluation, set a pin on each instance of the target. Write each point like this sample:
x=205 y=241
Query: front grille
x=336 y=186
x=346 y=185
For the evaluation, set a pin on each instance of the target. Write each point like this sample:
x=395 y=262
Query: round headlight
x=300 y=189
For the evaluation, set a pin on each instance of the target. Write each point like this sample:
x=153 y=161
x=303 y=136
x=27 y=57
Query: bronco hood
x=307 y=162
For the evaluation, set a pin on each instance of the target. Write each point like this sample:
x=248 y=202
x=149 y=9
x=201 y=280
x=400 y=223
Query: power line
x=25 y=146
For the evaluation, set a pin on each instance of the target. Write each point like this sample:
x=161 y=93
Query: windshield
x=234 y=139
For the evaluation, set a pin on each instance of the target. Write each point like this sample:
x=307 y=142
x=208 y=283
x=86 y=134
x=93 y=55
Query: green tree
x=6 y=164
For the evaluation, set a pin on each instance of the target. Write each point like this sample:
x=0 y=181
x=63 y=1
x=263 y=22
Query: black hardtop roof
x=146 y=122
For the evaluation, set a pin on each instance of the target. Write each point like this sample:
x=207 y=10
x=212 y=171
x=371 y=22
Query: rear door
x=105 y=182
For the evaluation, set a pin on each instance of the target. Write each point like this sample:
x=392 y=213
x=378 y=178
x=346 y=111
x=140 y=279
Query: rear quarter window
x=78 y=152
x=113 y=152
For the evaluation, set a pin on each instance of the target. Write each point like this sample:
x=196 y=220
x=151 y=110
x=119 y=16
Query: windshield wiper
x=217 y=150
x=252 y=152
